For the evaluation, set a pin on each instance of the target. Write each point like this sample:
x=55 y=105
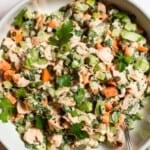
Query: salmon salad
x=71 y=79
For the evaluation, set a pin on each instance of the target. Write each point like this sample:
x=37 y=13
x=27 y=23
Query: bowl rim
x=23 y=3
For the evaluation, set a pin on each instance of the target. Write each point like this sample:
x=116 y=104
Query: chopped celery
x=75 y=64
x=102 y=138
x=101 y=76
x=116 y=32
x=130 y=26
x=86 y=106
x=142 y=65
x=41 y=61
x=115 y=117
x=125 y=19
x=93 y=60
x=96 y=68
x=43 y=36
x=23 y=44
x=29 y=14
x=90 y=2
x=51 y=91
x=100 y=108
x=131 y=36
x=113 y=129
x=33 y=59
x=7 y=84
x=81 y=7
x=62 y=56
x=1 y=54
x=96 y=15
x=122 y=16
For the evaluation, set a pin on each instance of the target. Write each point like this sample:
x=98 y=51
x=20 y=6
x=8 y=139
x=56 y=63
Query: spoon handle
x=127 y=137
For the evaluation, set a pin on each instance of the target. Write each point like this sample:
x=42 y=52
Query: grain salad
x=70 y=79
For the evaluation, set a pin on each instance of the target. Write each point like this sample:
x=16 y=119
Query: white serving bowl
x=141 y=134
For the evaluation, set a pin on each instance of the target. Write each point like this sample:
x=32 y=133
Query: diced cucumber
x=116 y=32
x=23 y=44
x=122 y=16
x=7 y=84
x=101 y=76
x=75 y=64
x=142 y=65
x=90 y=2
x=96 y=15
x=96 y=68
x=81 y=7
x=33 y=59
x=100 y=108
x=115 y=117
x=126 y=19
x=130 y=26
x=102 y=138
x=131 y=36
x=29 y=14
x=43 y=36
x=93 y=60
x=41 y=61
x=103 y=129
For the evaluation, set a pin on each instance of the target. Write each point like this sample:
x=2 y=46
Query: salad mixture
x=71 y=79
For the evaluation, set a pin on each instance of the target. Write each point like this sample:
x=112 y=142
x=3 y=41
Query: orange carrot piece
x=11 y=98
x=142 y=48
x=127 y=52
x=98 y=46
x=115 y=44
x=105 y=118
x=108 y=106
x=46 y=75
x=52 y=24
x=44 y=103
x=8 y=74
x=4 y=65
x=16 y=35
x=16 y=77
x=19 y=116
x=85 y=78
x=110 y=92
x=40 y=21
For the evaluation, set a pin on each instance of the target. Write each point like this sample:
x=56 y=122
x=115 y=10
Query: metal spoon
x=127 y=137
